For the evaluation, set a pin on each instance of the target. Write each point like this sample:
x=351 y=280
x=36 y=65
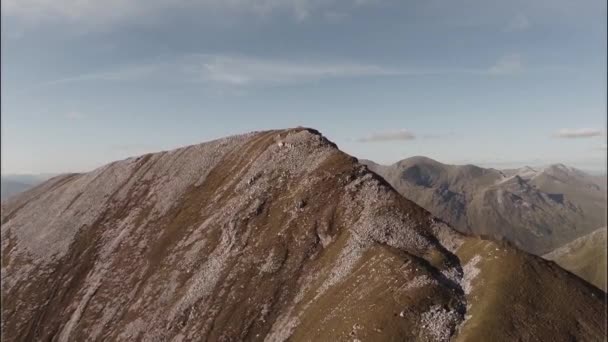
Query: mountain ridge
x=269 y=236
x=538 y=210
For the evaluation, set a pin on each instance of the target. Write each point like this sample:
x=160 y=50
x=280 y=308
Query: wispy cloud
x=508 y=64
x=578 y=133
x=400 y=135
x=230 y=70
x=111 y=11
x=519 y=22
x=120 y=74
x=244 y=71
x=241 y=71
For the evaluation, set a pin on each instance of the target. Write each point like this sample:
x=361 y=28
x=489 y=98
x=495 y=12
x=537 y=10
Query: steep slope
x=445 y=190
x=585 y=257
x=538 y=211
x=266 y=236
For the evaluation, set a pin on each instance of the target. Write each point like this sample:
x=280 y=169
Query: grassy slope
x=518 y=296
x=585 y=257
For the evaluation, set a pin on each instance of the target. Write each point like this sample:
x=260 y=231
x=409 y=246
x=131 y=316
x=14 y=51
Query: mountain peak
x=559 y=167
x=270 y=235
x=419 y=160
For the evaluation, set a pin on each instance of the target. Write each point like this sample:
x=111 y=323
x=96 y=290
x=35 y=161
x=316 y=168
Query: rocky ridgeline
x=269 y=236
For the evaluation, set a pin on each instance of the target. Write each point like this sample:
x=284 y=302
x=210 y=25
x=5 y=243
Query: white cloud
x=508 y=64
x=111 y=11
x=578 y=133
x=121 y=74
x=75 y=10
x=253 y=71
x=389 y=136
x=519 y=22
x=246 y=71
x=231 y=71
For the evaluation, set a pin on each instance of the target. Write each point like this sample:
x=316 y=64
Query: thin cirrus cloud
x=509 y=64
x=229 y=71
x=251 y=71
x=243 y=71
x=112 y=11
x=129 y=73
x=400 y=135
x=520 y=22
x=579 y=133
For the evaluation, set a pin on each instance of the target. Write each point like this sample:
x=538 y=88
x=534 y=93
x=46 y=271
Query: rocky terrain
x=586 y=257
x=267 y=236
x=536 y=210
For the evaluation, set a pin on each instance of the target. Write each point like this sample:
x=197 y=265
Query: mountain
x=10 y=188
x=14 y=184
x=537 y=210
x=585 y=257
x=273 y=236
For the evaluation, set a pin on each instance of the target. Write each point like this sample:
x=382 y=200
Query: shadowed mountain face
x=585 y=257
x=266 y=236
x=537 y=210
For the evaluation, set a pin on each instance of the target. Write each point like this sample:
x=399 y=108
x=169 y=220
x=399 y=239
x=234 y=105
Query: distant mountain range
x=536 y=209
x=15 y=183
x=276 y=236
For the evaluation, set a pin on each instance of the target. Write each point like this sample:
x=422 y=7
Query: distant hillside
x=267 y=236
x=585 y=257
x=10 y=188
x=14 y=184
x=537 y=210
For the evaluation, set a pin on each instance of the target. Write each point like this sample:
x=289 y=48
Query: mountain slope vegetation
x=267 y=236
x=585 y=257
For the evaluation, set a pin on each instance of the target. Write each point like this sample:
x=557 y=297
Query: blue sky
x=496 y=83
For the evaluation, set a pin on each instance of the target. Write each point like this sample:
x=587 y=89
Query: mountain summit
x=266 y=236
